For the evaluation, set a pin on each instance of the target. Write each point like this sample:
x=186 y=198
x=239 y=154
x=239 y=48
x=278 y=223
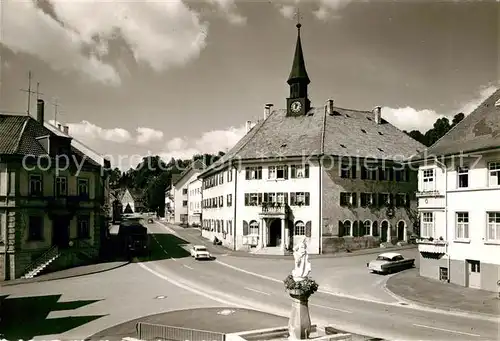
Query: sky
x=175 y=78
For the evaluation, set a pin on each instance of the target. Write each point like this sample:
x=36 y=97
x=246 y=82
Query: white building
x=169 y=205
x=459 y=202
x=180 y=191
x=304 y=172
x=194 y=202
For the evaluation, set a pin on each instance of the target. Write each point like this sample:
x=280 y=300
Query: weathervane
x=298 y=17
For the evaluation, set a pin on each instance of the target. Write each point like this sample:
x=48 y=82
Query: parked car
x=200 y=252
x=390 y=262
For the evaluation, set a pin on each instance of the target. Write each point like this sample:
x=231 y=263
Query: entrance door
x=474 y=274
x=384 y=227
x=401 y=230
x=275 y=233
x=60 y=231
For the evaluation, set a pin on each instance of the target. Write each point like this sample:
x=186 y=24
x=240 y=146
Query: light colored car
x=200 y=252
x=390 y=262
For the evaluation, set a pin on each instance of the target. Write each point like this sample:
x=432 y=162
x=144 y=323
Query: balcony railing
x=432 y=246
x=274 y=209
x=430 y=193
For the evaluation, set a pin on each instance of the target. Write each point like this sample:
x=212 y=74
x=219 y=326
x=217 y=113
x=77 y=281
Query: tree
x=439 y=129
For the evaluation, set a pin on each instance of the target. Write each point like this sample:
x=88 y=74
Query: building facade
x=180 y=191
x=169 y=205
x=459 y=188
x=52 y=199
x=194 y=202
x=327 y=174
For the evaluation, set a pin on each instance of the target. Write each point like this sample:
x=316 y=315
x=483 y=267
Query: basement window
x=364 y=131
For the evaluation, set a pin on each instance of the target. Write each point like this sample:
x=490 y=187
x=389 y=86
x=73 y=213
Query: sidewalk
x=68 y=273
x=193 y=236
x=410 y=286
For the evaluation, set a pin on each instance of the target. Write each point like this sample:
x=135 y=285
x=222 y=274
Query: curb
x=441 y=307
x=36 y=280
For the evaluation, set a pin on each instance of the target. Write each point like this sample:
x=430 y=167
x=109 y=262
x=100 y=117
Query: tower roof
x=299 y=66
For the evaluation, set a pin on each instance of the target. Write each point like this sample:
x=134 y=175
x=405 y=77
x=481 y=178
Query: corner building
x=325 y=173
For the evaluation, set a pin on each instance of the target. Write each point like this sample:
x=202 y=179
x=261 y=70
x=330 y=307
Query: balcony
x=274 y=209
x=429 y=194
x=435 y=246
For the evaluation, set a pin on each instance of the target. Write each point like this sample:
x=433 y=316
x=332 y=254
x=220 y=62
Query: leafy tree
x=439 y=129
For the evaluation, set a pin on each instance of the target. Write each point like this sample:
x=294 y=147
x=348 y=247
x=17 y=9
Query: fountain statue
x=302 y=265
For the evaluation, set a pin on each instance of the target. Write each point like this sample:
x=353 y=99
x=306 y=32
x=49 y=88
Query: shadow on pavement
x=165 y=246
x=23 y=318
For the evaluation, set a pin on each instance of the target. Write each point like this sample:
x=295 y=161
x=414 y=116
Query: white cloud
x=148 y=135
x=176 y=143
x=288 y=11
x=410 y=118
x=326 y=9
x=228 y=8
x=160 y=34
x=87 y=131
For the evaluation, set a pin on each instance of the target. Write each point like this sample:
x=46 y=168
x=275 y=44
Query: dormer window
x=299 y=171
x=278 y=172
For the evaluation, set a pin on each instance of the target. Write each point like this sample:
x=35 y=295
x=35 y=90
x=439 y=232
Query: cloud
x=228 y=8
x=160 y=34
x=148 y=135
x=87 y=131
x=325 y=9
x=408 y=118
x=288 y=11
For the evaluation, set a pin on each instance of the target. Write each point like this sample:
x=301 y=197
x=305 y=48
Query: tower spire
x=298 y=72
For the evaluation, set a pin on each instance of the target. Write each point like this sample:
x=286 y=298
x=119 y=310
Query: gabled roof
x=18 y=136
x=479 y=130
x=345 y=133
x=196 y=165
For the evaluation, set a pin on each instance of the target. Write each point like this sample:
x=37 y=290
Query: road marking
x=482 y=317
x=165 y=251
x=330 y=308
x=167 y=228
x=445 y=330
x=260 y=292
x=187 y=266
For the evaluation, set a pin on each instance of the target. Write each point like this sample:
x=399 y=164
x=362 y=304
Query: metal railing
x=154 y=332
x=50 y=253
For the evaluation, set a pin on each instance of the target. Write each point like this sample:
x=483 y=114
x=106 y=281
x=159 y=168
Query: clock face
x=296 y=106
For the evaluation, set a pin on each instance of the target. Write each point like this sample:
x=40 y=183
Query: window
x=475 y=266
x=230 y=226
x=463 y=177
x=400 y=175
x=221 y=201
x=348 y=171
x=494 y=176
x=367 y=199
x=35 y=183
x=384 y=199
x=402 y=200
x=83 y=187
x=229 y=200
x=278 y=172
x=299 y=199
x=281 y=198
x=367 y=227
x=35 y=228
x=254 y=227
x=253 y=199
x=493 y=226
x=428 y=180
x=184 y=191
x=184 y=203
x=253 y=173
x=61 y=186
x=230 y=175
x=384 y=174
x=462 y=225
x=347 y=228
x=368 y=173
x=221 y=178
x=347 y=199
x=300 y=229
x=83 y=227
x=443 y=273
x=299 y=171
x=427 y=224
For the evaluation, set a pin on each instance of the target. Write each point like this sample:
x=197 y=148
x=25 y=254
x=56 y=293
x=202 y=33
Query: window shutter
x=354 y=199
x=307 y=198
x=391 y=174
x=292 y=199
x=407 y=200
x=247 y=174
x=266 y=197
x=341 y=228
x=355 y=228
x=285 y=172
x=286 y=197
x=259 y=199
x=247 y=199
x=353 y=172
x=292 y=172
x=391 y=199
x=375 y=229
x=306 y=171
x=342 y=199
x=308 y=229
x=363 y=173
x=245 y=228
x=259 y=172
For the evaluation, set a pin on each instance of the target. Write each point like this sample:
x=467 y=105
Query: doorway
x=473 y=272
x=401 y=230
x=275 y=233
x=384 y=228
x=60 y=231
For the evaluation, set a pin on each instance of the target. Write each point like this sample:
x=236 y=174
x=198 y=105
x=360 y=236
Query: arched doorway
x=275 y=233
x=384 y=229
x=401 y=230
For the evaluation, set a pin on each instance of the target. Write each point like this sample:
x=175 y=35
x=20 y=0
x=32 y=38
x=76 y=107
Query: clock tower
x=298 y=103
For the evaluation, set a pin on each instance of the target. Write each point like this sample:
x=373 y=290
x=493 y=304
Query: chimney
x=329 y=107
x=249 y=125
x=267 y=110
x=66 y=130
x=40 y=111
x=59 y=126
x=377 y=113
